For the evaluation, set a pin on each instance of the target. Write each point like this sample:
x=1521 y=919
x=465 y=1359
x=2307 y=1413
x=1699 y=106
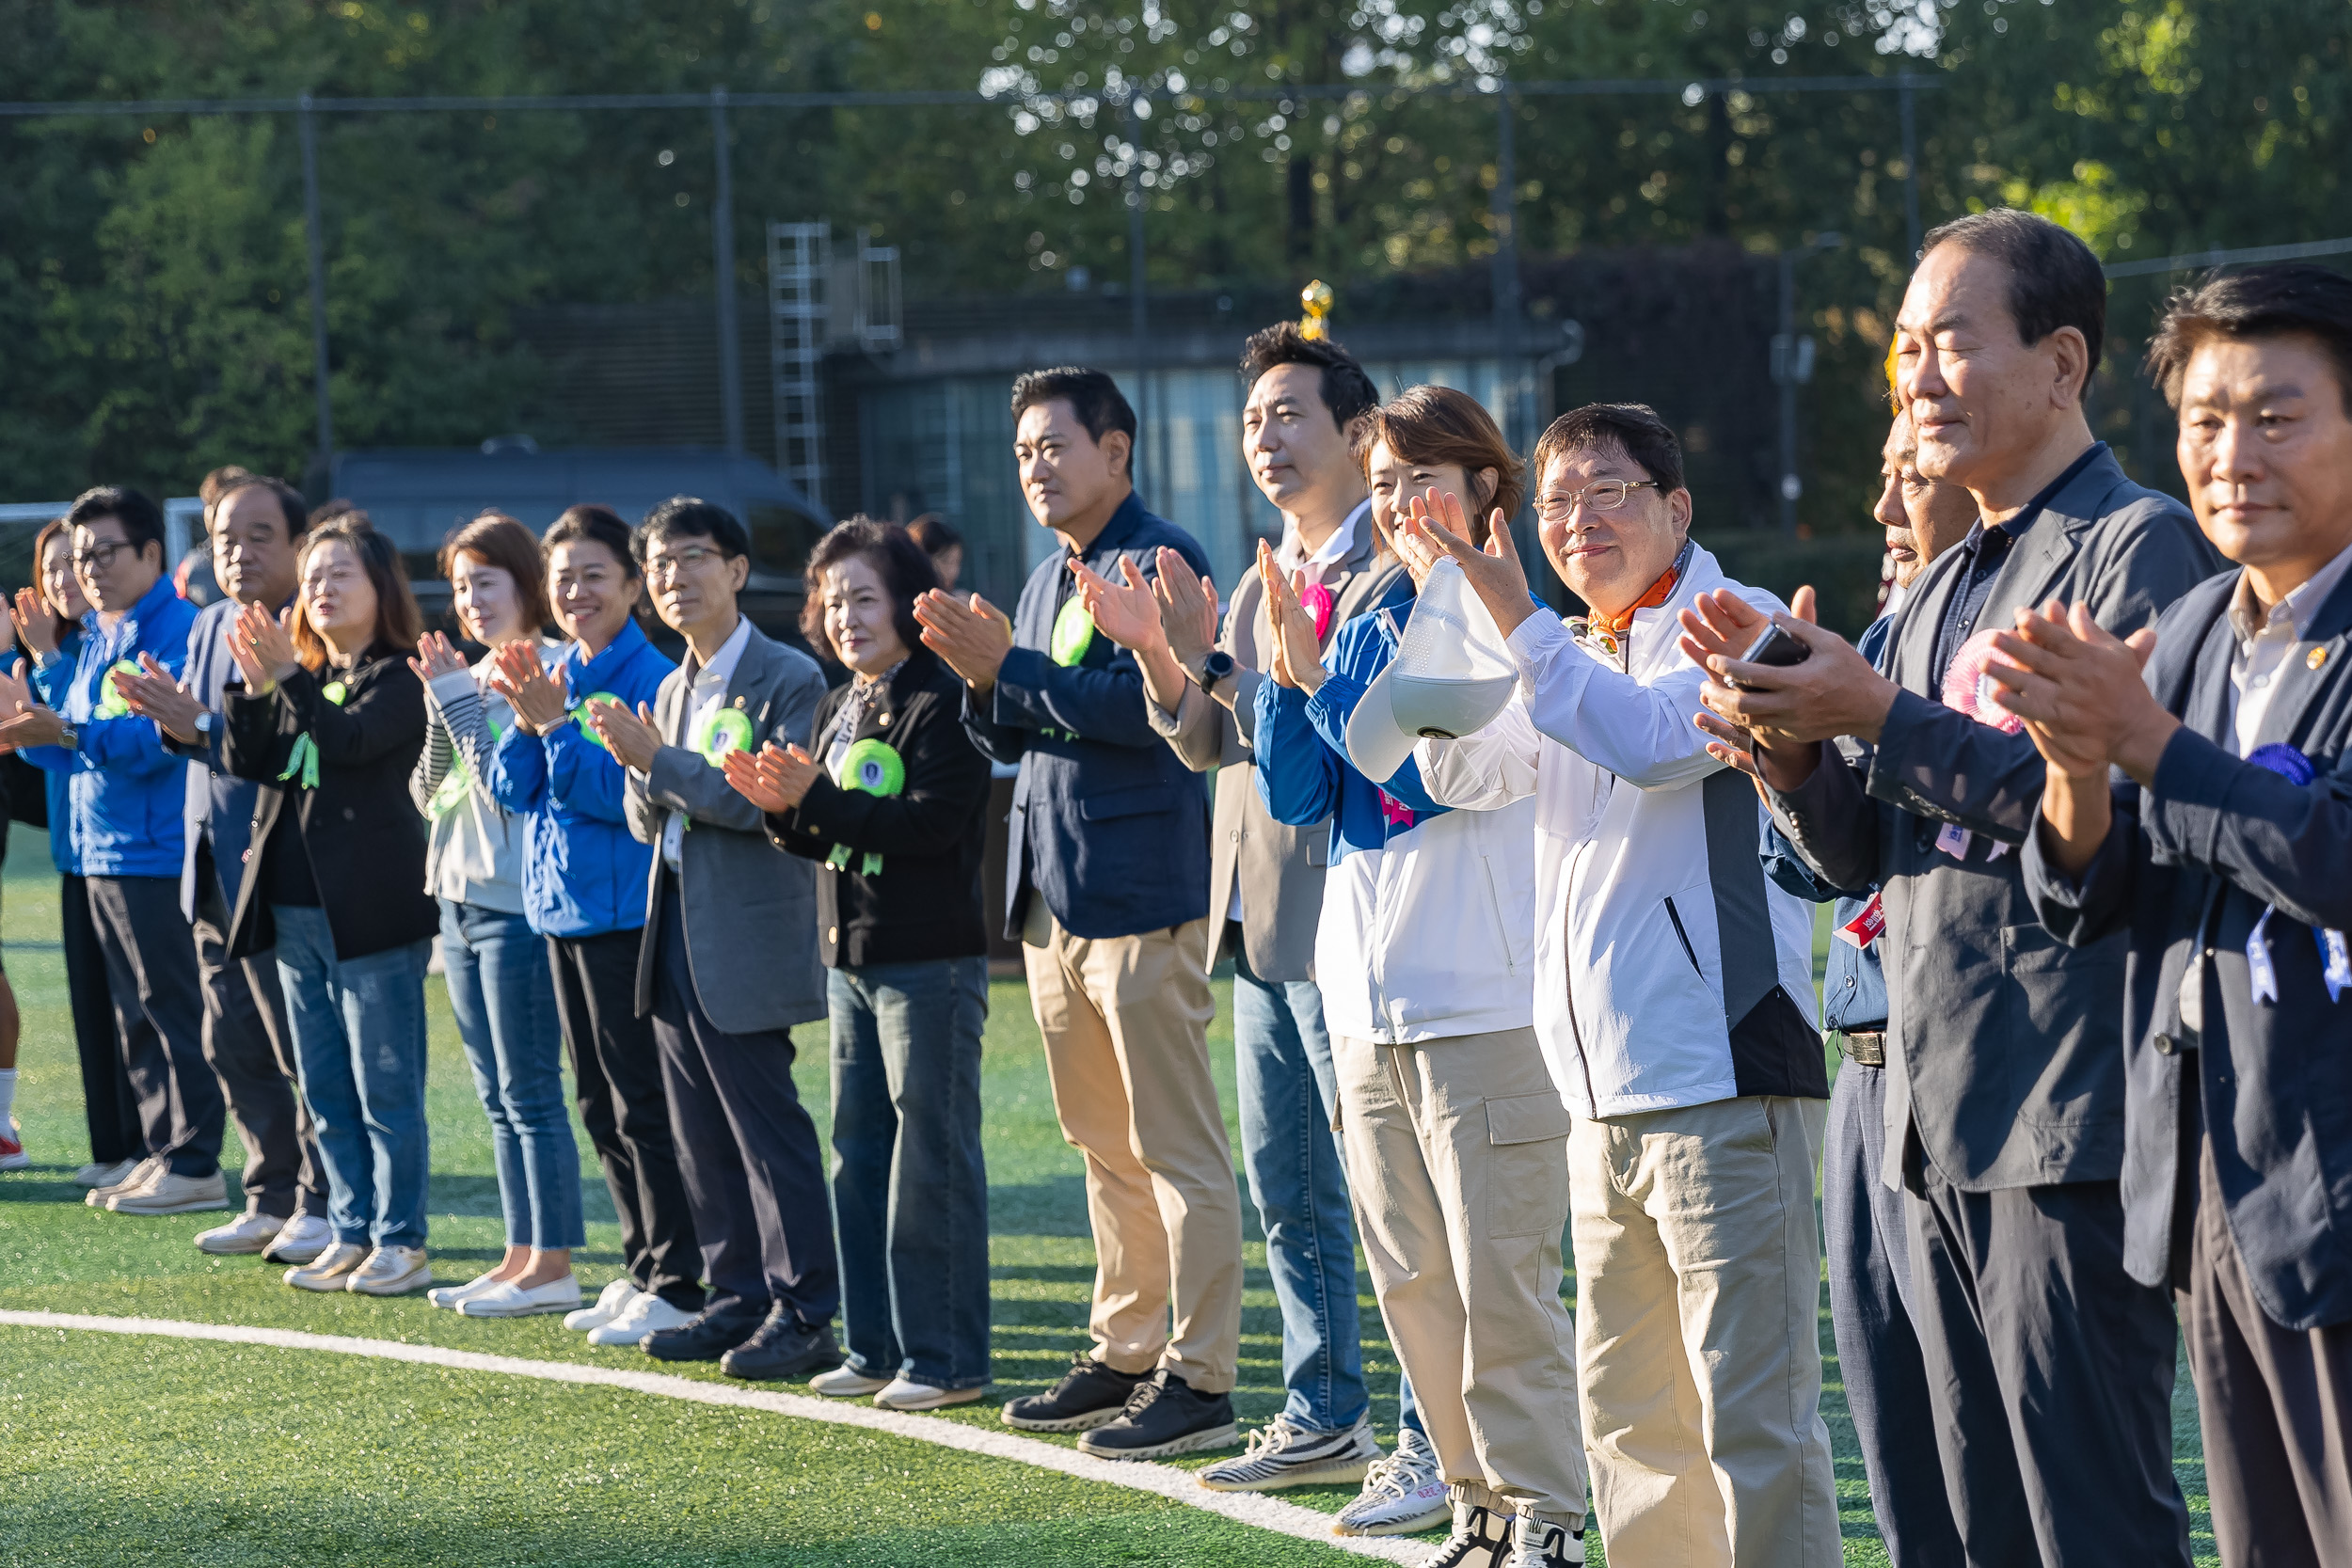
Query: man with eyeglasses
x=1667 y=977
x=729 y=960
x=128 y=794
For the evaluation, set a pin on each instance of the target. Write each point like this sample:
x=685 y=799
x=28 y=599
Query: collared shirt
x=1291 y=554
x=2266 y=641
x=1981 y=555
x=707 y=694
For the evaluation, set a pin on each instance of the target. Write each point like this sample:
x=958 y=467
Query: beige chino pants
x=1125 y=1020
x=1458 y=1161
x=1698 y=1269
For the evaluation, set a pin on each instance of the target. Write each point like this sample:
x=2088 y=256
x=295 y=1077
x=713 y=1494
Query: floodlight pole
x=306 y=129
x=1502 y=204
x=723 y=266
x=1139 y=315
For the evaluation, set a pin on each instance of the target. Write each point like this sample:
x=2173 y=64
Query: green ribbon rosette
x=1073 y=633
x=727 y=730
x=580 y=715
x=456 y=782
x=304 y=759
x=875 y=767
x=111 y=703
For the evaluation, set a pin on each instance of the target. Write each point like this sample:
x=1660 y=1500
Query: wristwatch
x=1217 y=667
x=69 y=737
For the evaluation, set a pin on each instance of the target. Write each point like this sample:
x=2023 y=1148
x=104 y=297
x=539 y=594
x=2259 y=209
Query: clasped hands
x=1769 y=719
x=774 y=778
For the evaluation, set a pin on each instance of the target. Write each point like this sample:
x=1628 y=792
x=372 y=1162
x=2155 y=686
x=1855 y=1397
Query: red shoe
x=12 y=1155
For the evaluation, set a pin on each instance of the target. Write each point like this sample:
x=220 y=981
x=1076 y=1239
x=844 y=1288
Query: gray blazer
x=1280 y=867
x=2005 y=1047
x=749 y=909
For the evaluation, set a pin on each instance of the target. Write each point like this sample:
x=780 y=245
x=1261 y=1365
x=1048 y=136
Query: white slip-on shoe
x=138 y=1175
x=305 y=1237
x=248 y=1233
x=330 y=1268
x=846 y=1381
x=390 y=1271
x=905 y=1394
x=507 y=1299
x=97 y=1175
x=645 y=1314
x=449 y=1295
x=611 y=1304
x=169 y=1192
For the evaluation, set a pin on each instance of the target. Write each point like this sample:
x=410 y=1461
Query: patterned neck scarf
x=1608 y=631
x=865 y=691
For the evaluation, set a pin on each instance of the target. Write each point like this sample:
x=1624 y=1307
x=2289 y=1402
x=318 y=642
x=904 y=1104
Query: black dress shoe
x=706 y=1336
x=784 y=1347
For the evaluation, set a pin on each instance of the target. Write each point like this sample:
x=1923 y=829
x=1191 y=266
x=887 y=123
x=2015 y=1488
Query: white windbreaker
x=1430 y=936
x=1657 y=930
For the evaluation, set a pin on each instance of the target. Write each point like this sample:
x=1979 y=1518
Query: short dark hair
x=598 y=525
x=501 y=541
x=2260 y=301
x=2054 y=279
x=290 y=502
x=897 y=558
x=1632 y=428
x=1091 y=394
x=1443 y=424
x=935 y=533
x=691 y=518
x=218 y=483
x=341 y=506
x=1347 y=391
x=142 y=521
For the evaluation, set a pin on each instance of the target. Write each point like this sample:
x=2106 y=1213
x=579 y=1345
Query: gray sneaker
x=1403 y=1494
x=167 y=1192
x=1284 y=1453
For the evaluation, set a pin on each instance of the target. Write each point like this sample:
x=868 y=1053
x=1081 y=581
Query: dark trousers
x=159 y=1008
x=109 y=1105
x=2274 y=1405
x=1868 y=1249
x=251 y=1053
x=617 y=1070
x=754 y=1172
x=2049 y=1374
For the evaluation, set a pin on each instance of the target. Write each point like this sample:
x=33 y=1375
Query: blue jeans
x=1298 y=1180
x=910 y=1188
x=503 y=994
x=359 y=1042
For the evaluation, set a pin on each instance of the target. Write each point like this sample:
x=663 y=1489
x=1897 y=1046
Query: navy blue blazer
x=221 y=807
x=2189 y=865
x=1108 y=827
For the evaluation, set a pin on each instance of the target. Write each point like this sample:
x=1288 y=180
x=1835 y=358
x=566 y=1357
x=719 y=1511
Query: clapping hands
x=775 y=778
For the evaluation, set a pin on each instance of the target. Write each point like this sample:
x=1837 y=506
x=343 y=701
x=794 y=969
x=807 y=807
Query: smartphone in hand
x=1776 y=647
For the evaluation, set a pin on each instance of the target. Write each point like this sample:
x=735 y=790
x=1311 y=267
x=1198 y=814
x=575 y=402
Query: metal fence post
x=1138 y=314
x=1502 y=204
x=1906 y=99
x=723 y=266
x=306 y=127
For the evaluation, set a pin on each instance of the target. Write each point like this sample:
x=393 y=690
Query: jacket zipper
x=1567 y=958
x=1494 y=898
x=1684 y=937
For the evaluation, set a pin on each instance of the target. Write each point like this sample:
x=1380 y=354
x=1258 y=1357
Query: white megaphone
x=1452 y=674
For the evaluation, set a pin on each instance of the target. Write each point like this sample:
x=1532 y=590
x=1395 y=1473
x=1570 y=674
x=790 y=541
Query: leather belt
x=1865 y=1046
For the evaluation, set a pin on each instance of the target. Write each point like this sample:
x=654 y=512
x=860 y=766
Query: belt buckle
x=1867 y=1047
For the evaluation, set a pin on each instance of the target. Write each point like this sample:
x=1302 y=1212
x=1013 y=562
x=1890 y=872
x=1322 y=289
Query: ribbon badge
x=727 y=730
x=871 y=768
x=2335 y=959
x=1316 y=600
x=456 y=782
x=111 y=703
x=302 y=762
x=580 y=714
x=1073 y=633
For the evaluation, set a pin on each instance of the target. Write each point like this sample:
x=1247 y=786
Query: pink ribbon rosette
x=1317 y=601
x=1969 y=689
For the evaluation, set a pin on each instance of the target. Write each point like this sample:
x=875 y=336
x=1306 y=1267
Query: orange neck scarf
x=1658 y=592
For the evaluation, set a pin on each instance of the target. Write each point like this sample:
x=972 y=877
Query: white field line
x=1262 y=1512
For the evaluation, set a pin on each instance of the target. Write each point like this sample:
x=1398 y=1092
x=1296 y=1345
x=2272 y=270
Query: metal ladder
x=799 y=275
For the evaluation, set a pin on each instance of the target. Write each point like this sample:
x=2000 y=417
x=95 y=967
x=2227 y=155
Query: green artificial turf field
x=122 y=1450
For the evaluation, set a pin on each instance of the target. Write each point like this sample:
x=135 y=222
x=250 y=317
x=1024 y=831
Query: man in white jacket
x=1668 y=978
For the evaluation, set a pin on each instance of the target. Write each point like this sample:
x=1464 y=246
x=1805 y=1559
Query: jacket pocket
x=1527 y=1165
x=2061 y=1029
x=1503 y=922
x=1682 y=934
x=1125 y=802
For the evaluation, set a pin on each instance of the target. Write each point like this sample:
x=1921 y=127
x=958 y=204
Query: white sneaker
x=330 y=1268
x=611 y=1304
x=449 y=1295
x=390 y=1271
x=250 y=1231
x=305 y=1237
x=138 y=1175
x=1402 y=1494
x=1284 y=1453
x=96 y=1175
x=645 y=1314
x=1545 y=1544
x=904 y=1394
x=507 y=1299
x=169 y=1193
x=846 y=1381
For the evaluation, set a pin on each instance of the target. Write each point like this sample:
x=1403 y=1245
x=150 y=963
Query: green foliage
x=153 y=298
